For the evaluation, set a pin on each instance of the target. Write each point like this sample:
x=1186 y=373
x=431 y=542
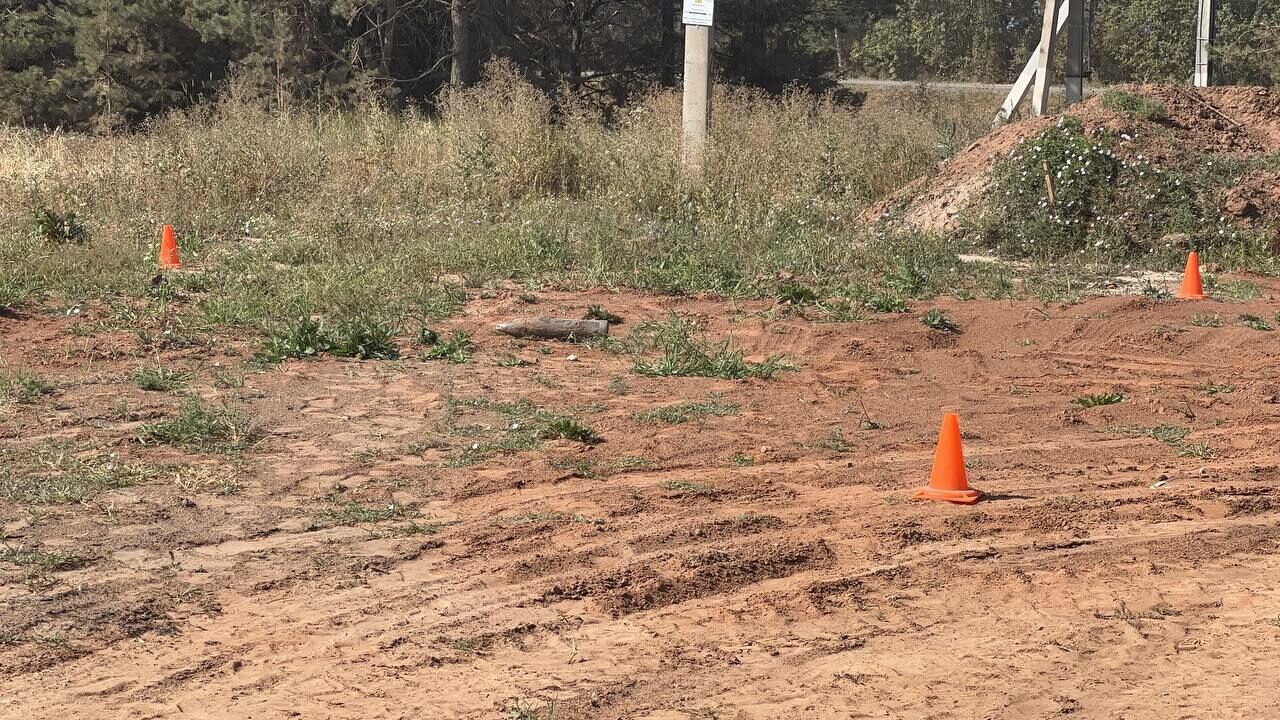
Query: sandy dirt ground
x=767 y=564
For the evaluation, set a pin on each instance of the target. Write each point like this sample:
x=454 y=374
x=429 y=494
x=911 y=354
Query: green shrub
x=364 y=338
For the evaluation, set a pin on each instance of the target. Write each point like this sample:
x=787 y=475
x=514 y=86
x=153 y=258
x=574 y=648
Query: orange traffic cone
x=1191 y=288
x=949 y=481
x=169 y=249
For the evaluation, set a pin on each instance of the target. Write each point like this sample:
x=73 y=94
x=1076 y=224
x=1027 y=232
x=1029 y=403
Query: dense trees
x=104 y=63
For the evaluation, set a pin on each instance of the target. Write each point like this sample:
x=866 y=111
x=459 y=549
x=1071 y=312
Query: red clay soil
x=767 y=564
x=1230 y=121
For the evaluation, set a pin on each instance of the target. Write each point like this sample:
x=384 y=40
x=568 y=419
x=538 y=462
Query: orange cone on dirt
x=949 y=481
x=169 y=249
x=1191 y=288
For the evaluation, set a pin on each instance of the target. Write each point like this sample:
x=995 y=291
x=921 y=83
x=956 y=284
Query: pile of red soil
x=1230 y=121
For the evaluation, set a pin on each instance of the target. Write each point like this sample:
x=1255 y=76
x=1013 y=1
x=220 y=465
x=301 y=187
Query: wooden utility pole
x=1028 y=76
x=1044 y=58
x=1206 y=28
x=462 y=71
x=698 y=34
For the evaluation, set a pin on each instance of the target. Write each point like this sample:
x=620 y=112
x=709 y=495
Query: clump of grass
x=23 y=386
x=686 y=487
x=41 y=560
x=1175 y=436
x=352 y=512
x=304 y=338
x=794 y=293
x=887 y=303
x=364 y=338
x=56 y=473
x=157 y=378
x=596 y=312
x=567 y=428
x=1206 y=320
x=457 y=349
x=835 y=441
x=1099 y=400
x=1241 y=290
x=940 y=321
x=741 y=460
x=207 y=481
x=686 y=411
x=685 y=353
x=200 y=426
x=1213 y=388
x=227 y=378
x=1133 y=105
x=1255 y=322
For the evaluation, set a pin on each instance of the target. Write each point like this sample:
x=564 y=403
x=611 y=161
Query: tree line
x=112 y=63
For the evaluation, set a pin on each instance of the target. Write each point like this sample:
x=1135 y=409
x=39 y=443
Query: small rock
x=572 y=358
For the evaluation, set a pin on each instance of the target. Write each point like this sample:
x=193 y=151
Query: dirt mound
x=1232 y=121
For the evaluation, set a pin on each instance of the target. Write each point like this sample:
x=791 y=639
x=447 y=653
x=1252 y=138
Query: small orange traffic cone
x=1191 y=288
x=949 y=481
x=169 y=250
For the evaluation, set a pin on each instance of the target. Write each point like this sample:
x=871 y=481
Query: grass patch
x=835 y=441
x=685 y=487
x=302 y=339
x=1239 y=290
x=364 y=338
x=157 y=378
x=1215 y=388
x=1133 y=105
x=940 y=321
x=54 y=473
x=1091 y=401
x=457 y=349
x=1206 y=320
x=1175 y=436
x=23 y=386
x=41 y=560
x=203 y=427
x=686 y=353
x=715 y=406
x=523 y=426
x=1255 y=322
x=352 y=512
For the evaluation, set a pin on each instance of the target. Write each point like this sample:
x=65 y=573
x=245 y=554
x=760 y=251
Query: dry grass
x=298 y=212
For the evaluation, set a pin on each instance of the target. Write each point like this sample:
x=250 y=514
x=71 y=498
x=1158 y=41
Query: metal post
x=697 y=95
x=1075 y=51
x=1206 y=28
x=1044 y=58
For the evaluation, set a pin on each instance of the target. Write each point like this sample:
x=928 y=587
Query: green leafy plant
x=940 y=321
x=59 y=228
x=596 y=312
x=1255 y=322
x=23 y=386
x=457 y=349
x=304 y=338
x=364 y=338
x=796 y=294
x=1206 y=320
x=567 y=428
x=157 y=378
x=1091 y=401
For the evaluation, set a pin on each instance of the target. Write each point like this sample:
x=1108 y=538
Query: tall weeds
x=298 y=211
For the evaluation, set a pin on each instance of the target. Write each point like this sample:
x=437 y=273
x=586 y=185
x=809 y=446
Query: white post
x=698 y=35
x=1027 y=77
x=1205 y=30
x=1044 y=58
x=1075 y=51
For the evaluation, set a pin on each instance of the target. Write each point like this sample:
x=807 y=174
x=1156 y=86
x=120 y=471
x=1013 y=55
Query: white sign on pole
x=699 y=12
